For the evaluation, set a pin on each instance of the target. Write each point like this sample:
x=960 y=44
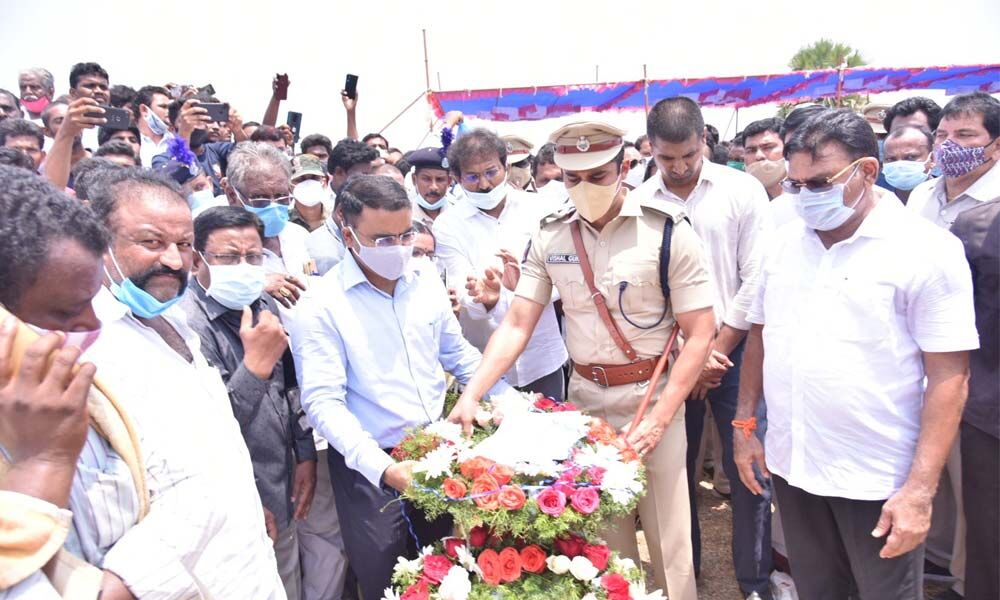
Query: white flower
x=623 y=564
x=483 y=417
x=558 y=564
x=407 y=567
x=621 y=480
x=582 y=568
x=437 y=463
x=446 y=430
x=598 y=455
x=455 y=585
x=390 y=594
x=589 y=596
x=512 y=402
x=427 y=551
x=466 y=559
x=531 y=469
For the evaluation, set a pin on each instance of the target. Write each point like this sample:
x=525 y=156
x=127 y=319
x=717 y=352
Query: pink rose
x=596 y=475
x=551 y=502
x=585 y=500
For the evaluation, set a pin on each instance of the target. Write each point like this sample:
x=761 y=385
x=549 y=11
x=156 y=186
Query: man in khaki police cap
x=614 y=351
x=519 y=162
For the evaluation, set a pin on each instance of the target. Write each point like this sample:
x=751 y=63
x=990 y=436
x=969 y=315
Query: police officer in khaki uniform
x=613 y=360
x=519 y=162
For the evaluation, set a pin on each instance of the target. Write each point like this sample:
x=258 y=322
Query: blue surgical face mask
x=905 y=174
x=274 y=216
x=142 y=303
x=199 y=199
x=825 y=211
x=155 y=123
x=416 y=197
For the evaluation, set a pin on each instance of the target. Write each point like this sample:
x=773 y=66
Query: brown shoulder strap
x=599 y=301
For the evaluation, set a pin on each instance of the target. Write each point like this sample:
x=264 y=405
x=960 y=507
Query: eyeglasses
x=234 y=259
x=817 y=186
x=404 y=239
x=490 y=174
x=262 y=202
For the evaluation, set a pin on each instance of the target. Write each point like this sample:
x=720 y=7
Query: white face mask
x=488 y=200
x=389 y=263
x=593 y=201
x=236 y=286
x=201 y=198
x=310 y=192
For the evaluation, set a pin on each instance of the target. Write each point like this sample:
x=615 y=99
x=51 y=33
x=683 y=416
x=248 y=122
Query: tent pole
x=402 y=112
x=645 y=90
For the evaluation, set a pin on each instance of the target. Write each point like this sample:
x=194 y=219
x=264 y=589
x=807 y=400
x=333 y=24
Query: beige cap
x=875 y=115
x=587 y=145
x=518 y=148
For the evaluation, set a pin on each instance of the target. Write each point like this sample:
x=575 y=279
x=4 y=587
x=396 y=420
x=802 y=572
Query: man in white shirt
x=967 y=152
x=489 y=228
x=207 y=534
x=151 y=108
x=372 y=342
x=762 y=154
x=728 y=210
x=854 y=309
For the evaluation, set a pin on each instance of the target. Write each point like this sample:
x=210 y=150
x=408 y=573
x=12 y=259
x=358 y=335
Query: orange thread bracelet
x=748 y=426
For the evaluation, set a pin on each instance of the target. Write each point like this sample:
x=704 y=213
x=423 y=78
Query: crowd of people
x=214 y=333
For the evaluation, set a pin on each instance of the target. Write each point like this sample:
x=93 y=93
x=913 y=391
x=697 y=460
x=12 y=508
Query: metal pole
x=439 y=81
x=402 y=112
x=427 y=64
x=645 y=90
x=737 y=121
x=597 y=74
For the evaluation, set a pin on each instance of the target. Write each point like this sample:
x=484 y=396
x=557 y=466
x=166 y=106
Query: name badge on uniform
x=563 y=259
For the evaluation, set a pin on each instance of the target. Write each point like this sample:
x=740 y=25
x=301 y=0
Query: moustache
x=143 y=278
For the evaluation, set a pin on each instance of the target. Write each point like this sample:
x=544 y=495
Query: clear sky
x=238 y=46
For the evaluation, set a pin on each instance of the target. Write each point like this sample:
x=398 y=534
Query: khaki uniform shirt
x=626 y=253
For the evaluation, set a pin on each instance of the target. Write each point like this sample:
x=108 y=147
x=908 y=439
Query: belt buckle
x=596 y=378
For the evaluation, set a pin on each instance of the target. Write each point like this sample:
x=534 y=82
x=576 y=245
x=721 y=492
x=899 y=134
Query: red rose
x=510 y=565
x=486 y=492
x=502 y=473
x=451 y=545
x=616 y=586
x=454 y=488
x=545 y=404
x=489 y=564
x=533 y=559
x=436 y=567
x=597 y=555
x=585 y=500
x=511 y=497
x=417 y=591
x=571 y=546
x=478 y=535
x=551 y=502
x=569 y=406
x=474 y=467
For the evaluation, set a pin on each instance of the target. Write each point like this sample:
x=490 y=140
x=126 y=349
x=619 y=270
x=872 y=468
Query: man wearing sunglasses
x=854 y=309
x=258 y=179
x=372 y=341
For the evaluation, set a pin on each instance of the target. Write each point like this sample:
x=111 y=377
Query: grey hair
x=250 y=157
x=43 y=74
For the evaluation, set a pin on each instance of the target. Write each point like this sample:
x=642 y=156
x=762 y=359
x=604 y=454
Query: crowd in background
x=261 y=314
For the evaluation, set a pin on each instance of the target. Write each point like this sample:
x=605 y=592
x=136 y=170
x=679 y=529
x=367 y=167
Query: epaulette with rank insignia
x=667 y=209
x=564 y=211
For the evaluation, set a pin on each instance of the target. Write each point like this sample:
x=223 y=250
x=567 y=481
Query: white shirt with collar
x=371 y=365
x=468 y=240
x=729 y=211
x=844 y=332
x=930 y=199
x=205 y=528
x=149 y=148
